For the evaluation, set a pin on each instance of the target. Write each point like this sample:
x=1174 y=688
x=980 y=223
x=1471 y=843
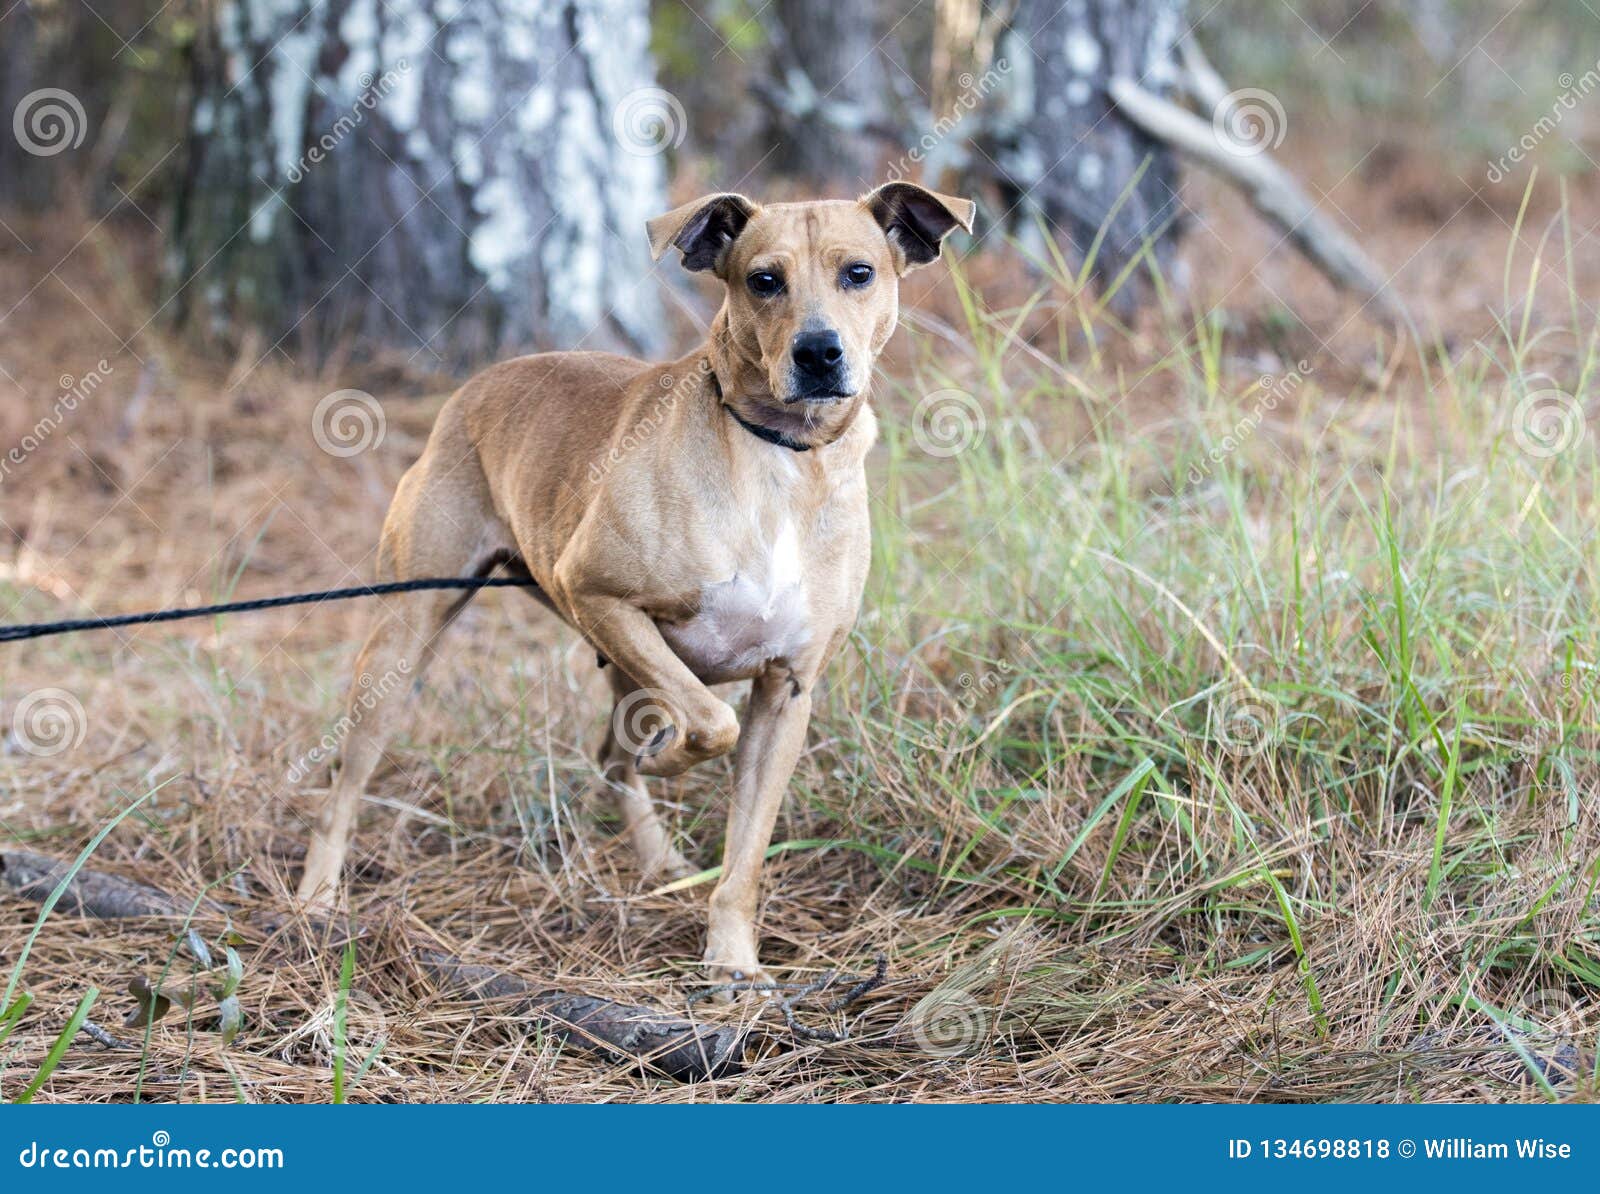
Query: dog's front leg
x=702 y=726
x=774 y=733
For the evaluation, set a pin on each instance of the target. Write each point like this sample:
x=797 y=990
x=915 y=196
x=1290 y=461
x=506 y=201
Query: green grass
x=1379 y=578
x=1262 y=718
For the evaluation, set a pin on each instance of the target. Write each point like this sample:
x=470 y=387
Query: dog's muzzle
x=819 y=369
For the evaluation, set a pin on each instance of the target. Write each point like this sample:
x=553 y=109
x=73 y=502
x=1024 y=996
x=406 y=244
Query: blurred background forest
x=1223 y=718
x=460 y=180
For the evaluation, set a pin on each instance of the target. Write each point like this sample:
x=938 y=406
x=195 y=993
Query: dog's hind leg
x=622 y=784
x=391 y=664
x=423 y=536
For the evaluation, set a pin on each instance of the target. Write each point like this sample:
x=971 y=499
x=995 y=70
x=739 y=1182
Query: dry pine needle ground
x=1190 y=747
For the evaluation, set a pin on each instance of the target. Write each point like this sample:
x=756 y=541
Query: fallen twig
x=676 y=1047
x=1271 y=190
x=95 y=1033
x=790 y=994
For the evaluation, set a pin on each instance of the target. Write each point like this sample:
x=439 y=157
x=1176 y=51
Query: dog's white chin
x=819 y=399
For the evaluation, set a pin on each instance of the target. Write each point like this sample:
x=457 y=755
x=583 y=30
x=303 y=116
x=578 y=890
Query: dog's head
x=812 y=294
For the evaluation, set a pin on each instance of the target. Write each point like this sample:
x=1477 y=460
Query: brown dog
x=698 y=522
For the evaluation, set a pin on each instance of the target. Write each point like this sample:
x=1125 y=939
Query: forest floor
x=1220 y=723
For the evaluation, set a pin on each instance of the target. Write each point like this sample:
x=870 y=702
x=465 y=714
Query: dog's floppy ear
x=916 y=220
x=703 y=229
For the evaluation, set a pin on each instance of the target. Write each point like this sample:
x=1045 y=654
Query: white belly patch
x=745 y=622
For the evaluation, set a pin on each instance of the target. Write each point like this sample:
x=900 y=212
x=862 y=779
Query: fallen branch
x=95 y=1033
x=1270 y=190
x=676 y=1047
x=90 y=893
x=1200 y=78
x=679 y=1048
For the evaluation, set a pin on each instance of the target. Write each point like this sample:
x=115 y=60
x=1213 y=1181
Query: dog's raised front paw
x=672 y=753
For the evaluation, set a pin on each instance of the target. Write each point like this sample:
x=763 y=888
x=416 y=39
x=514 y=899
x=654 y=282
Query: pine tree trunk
x=1064 y=151
x=19 y=170
x=459 y=185
x=825 y=56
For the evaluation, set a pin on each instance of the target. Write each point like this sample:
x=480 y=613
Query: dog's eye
x=765 y=283
x=858 y=274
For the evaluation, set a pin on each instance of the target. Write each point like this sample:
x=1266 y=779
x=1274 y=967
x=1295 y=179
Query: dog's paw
x=731 y=958
x=666 y=866
x=740 y=981
x=653 y=749
x=672 y=753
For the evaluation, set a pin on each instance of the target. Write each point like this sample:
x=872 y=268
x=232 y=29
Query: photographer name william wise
x=1465 y=1148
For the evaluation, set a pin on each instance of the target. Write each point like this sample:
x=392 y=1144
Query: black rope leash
x=11 y=634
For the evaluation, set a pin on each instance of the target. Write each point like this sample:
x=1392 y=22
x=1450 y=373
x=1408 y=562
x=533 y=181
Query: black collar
x=756 y=429
x=767 y=433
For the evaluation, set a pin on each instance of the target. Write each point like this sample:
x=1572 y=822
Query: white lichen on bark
x=456 y=161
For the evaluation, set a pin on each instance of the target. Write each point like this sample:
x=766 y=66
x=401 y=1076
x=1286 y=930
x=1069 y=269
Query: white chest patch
x=745 y=622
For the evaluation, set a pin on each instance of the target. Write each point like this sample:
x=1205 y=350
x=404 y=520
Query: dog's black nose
x=818 y=353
